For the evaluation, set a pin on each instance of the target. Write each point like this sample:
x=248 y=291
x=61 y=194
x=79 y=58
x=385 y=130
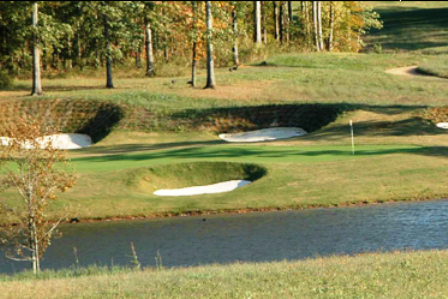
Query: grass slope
x=412 y=25
x=387 y=275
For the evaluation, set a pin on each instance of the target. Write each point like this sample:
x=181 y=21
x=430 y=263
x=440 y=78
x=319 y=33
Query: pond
x=253 y=237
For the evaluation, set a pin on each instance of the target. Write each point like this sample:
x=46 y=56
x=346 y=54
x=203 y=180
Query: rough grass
x=377 y=275
x=298 y=78
x=435 y=67
x=410 y=25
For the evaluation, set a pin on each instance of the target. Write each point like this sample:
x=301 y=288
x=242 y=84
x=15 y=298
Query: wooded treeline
x=82 y=34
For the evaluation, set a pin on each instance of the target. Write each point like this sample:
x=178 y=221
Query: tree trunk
x=286 y=21
x=280 y=17
x=263 y=17
x=195 y=44
x=330 y=37
x=316 y=36
x=109 y=83
x=257 y=22
x=165 y=37
x=290 y=11
x=307 y=21
x=236 y=55
x=33 y=244
x=288 y=28
x=211 y=82
x=149 y=53
x=70 y=52
x=276 y=23
x=37 y=84
x=319 y=25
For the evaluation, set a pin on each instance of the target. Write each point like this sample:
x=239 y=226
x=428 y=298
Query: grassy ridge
x=435 y=67
x=386 y=275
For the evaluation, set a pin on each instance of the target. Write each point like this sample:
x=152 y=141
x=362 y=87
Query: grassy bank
x=435 y=67
x=387 y=275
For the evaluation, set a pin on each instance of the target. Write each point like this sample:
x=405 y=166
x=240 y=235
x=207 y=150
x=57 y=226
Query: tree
x=315 y=26
x=257 y=22
x=150 y=71
x=194 y=51
x=319 y=25
x=276 y=22
x=211 y=81
x=330 y=37
x=37 y=84
x=109 y=81
x=236 y=55
x=36 y=169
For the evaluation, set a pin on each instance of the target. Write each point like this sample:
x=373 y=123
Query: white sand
x=197 y=190
x=59 y=141
x=264 y=134
x=404 y=71
x=442 y=125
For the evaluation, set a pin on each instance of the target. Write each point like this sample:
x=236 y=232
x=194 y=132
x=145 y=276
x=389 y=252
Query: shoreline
x=76 y=220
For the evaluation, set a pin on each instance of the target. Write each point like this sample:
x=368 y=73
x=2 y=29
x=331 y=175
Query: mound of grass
x=435 y=67
x=182 y=175
x=397 y=275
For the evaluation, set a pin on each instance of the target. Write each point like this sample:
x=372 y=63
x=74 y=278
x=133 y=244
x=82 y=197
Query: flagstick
x=353 y=139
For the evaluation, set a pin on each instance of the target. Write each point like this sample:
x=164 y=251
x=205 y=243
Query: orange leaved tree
x=31 y=164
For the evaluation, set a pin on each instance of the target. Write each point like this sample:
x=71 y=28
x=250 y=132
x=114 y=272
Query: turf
x=378 y=275
x=411 y=25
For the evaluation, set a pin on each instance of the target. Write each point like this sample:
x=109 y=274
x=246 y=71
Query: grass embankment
x=435 y=67
x=377 y=275
x=411 y=26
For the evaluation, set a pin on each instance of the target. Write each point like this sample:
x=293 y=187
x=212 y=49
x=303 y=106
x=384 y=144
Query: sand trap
x=442 y=125
x=404 y=71
x=59 y=141
x=264 y=135
x=197 y=190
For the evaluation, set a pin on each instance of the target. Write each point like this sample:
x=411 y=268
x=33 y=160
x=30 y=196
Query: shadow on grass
x=130 y=148
x=405 y=27
x=271 y=155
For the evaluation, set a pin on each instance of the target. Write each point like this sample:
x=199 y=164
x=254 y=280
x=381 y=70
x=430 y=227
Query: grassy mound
x=435 y=67
x=310 y=117
x=93 y=118
x=192 y=174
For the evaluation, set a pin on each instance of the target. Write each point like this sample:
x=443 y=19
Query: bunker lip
x=208 y=189
x=268 y=134
x=59 y=141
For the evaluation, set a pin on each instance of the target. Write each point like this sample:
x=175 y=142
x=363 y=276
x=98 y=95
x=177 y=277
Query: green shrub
x=6 y=79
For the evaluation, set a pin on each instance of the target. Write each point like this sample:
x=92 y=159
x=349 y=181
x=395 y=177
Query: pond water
x=254 y=237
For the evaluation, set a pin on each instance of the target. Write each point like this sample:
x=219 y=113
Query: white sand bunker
x=442 y=125
x=197 y=190
x=264 y=134
x=404 y=71
x=59 y=141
